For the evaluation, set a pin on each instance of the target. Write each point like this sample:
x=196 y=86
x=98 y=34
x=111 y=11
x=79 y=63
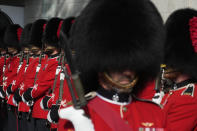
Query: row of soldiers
x=114 y=52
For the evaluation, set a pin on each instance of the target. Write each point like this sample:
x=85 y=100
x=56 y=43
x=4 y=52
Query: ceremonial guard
x=47 y=75
x=32 y=74
x=180 y=73
x=12 y=38
x=4 y=22
x=118 y=47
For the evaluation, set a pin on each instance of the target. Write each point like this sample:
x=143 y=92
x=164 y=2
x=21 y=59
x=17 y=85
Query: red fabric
x=29 y=81
x=11 y=71
x=148 y=92
x=64 y=125
x=193 y=32
x=19 y=32
x=18 y=80
x=181 y=110
x=66 y=97
x=137 y=114
x=59 y=28
x=1 y=69
x=44 y=83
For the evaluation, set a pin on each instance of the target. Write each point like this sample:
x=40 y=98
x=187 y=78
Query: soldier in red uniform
x=46 y=77
x=12 y=38
x=4 y=22
x=118 y=51
x=32 y=72
x=50 y=102
x=180 y=77
x=26 y=59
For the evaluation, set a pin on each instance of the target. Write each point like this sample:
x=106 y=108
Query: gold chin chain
x=118 y=85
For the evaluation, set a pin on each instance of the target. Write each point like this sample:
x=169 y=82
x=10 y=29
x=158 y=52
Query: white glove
x=78 y=119
x=1 y=95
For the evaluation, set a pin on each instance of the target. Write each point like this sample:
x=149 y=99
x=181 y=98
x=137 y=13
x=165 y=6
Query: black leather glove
x=17 y=96
x=53 y=115
x=44 y=103
x=27 y=95
x=9 y=89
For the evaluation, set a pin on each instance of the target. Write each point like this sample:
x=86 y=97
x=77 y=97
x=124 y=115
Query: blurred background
x=25 y=11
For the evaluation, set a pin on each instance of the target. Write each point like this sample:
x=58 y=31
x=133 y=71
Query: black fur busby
x=12 y=36
x=117 y=35
x=4 y=22
x=25 y=36
x=37 y=32
x=66 y=26
x=51 y=32
x=179 y=52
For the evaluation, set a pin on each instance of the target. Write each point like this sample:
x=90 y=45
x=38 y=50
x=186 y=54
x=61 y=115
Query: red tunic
x=139 y=114
x=180 y=107
x=29 y=79
x=44 y=83
x=11 y=72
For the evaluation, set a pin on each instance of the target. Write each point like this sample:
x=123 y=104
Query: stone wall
x=35 y=9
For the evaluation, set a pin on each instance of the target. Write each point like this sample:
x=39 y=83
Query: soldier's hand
x=2 y=93
x=44 y=104
x=26 y=97
x=78 y=118
x=9 y=90
x=53 y=116
x=17 y=98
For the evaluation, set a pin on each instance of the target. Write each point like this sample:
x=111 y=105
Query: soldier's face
x=170 y=74
x=35 y=50
x=122 y=78
x=26 y=50
x=12 y=50
x=3 y=51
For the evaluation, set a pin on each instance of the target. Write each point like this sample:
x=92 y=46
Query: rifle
x=27 y=61
x=35 y=79
x=21 y=61
x=81 y=100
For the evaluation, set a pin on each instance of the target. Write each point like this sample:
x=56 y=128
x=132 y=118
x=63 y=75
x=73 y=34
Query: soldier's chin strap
x=121 y=87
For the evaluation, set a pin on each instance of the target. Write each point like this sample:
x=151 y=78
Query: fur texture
x=117 y=35
x=50 y=34
x=179 y=52
x=11 y=37
x=4 y=22
x=25 y=36
x=37 y=32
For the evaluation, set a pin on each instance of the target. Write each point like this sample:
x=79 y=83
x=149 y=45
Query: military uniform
x=113 y=39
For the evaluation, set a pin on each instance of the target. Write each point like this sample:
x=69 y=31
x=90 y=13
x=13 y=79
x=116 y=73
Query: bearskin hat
x=12 y=36
x=52 y=31
x=117 y=35
x=180 y=49
x=66 y=26
x=37 y=32
x=25 y=36
x=4 y=22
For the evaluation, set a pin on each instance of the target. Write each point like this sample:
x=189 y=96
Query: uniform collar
x=184 y=83
x=114 y=96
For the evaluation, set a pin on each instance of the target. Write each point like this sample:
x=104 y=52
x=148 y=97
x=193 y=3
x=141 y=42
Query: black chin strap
x=114 y=96
x=184 y=83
